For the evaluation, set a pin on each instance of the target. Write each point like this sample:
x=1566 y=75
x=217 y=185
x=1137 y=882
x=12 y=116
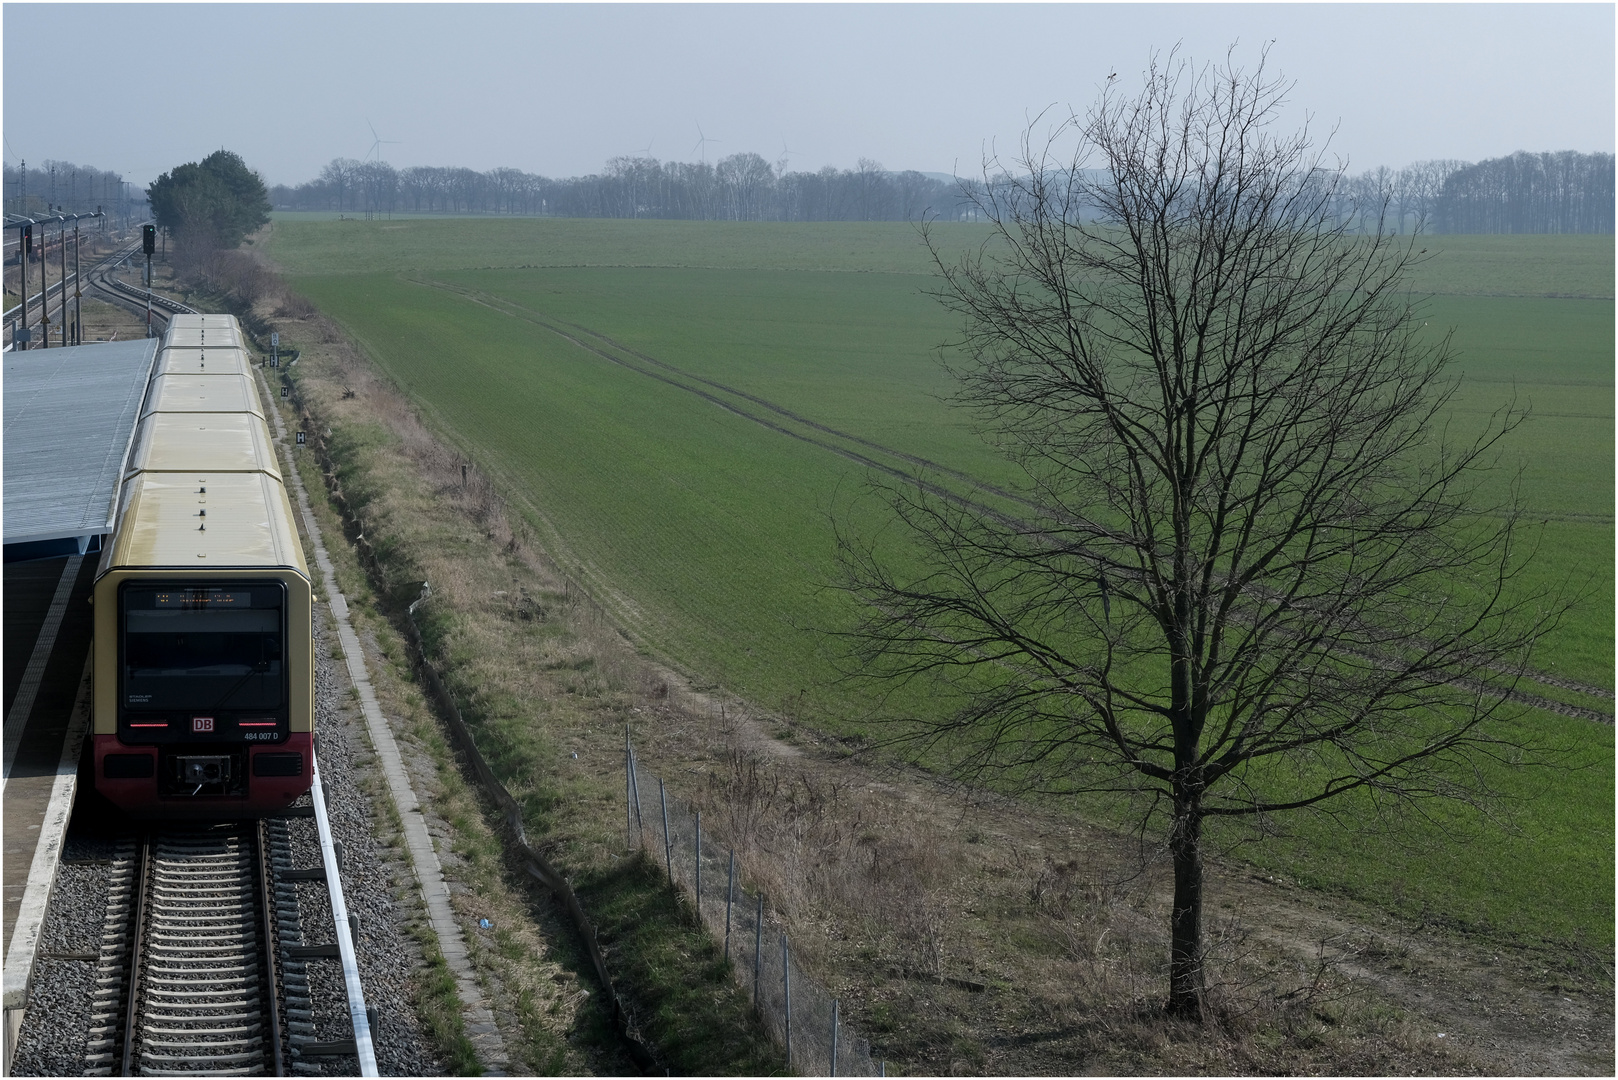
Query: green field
x=679 y=406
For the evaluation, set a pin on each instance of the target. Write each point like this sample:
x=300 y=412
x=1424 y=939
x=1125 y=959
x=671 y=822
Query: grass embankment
x=426 y=526
x=698 y=514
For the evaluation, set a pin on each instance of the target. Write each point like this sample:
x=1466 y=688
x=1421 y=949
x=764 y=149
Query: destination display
x=214 y=598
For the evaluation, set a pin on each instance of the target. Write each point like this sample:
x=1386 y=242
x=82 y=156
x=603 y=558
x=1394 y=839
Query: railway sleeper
x=183 y=1050
x=225 y=984
x=246 y=1055
x=238 y=1003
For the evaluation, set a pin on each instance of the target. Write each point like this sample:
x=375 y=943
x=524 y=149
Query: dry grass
x=535 y=983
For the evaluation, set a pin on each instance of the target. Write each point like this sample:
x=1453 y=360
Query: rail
x=98 y=278
x=357 y=1013
x=125 y=292
x=203 y=967
x=15 y=311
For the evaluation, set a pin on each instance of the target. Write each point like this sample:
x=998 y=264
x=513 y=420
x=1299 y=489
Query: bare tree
x=1246 y=571
x=339 y=176
x=747 y=181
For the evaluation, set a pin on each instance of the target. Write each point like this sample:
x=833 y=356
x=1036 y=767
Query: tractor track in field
x=576 y=334
x=615 y=352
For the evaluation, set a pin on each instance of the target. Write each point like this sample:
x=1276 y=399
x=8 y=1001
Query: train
x=203 y=657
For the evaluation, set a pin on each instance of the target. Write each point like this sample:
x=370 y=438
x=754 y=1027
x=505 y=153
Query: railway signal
x=20 y=336
x=148 y=244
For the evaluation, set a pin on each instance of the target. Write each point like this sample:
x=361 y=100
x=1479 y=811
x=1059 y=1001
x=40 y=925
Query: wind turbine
x=702 y=144
x=375 y=153
x=786 y=157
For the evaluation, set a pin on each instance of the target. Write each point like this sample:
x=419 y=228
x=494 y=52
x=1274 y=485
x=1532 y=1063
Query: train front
x=204 y=651
x=204 y=723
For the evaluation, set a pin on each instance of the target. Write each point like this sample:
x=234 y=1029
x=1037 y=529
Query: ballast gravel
x=378 y=888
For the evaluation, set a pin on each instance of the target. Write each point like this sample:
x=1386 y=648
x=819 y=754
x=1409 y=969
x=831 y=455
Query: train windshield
x=203 y=648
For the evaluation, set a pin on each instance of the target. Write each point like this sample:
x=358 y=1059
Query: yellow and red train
x=204 y=645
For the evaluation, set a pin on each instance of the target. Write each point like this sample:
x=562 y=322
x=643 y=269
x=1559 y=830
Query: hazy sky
x=558 y=89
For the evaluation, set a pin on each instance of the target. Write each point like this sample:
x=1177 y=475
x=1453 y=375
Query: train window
x=203 y=648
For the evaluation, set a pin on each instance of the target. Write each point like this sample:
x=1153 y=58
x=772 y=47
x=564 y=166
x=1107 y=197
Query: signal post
x=21 y=335
x=148 y=244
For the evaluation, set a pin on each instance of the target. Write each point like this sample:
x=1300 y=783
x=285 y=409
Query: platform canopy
x=69 y=419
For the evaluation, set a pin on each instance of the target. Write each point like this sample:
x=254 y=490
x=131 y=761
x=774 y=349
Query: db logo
x=201 y=725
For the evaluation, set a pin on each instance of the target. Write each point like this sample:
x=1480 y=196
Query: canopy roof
x=69 y=418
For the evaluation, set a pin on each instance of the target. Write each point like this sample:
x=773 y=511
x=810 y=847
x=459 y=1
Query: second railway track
x=100 y=279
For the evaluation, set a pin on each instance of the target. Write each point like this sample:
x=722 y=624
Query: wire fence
x=801 y=1013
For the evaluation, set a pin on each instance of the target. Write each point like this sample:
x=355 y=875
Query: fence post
x=834 y=1007
x=730 y=897
x=758 y=949
x=786 y=991
x=668 y=852
x=634 y=772
x=629 y=794
x=699 y=867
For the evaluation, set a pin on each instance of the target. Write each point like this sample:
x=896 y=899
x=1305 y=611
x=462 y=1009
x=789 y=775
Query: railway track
x=203 y=968
x=100 y=279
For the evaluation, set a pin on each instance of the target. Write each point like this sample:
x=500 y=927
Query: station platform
x=48 y=628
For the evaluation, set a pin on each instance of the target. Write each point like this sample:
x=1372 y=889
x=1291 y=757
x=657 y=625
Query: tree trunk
x=1185 y=949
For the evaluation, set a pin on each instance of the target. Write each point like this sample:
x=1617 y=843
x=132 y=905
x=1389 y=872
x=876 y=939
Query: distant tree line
x=741 y=187
x=1564 y=192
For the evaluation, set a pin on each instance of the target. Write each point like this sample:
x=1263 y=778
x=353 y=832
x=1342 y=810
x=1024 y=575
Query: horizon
x=559 y=90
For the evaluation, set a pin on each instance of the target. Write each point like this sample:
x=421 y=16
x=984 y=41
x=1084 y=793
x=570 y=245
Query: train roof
x=202 y=488
x=218 y=361
x=203 y=442
x=203 y=320
x=205 y=520
x=199 y=337
x=202 y=393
